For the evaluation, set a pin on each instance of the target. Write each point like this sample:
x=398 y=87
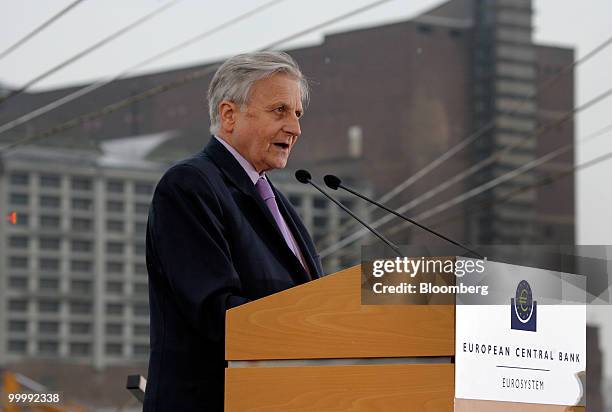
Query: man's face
x=265 y=131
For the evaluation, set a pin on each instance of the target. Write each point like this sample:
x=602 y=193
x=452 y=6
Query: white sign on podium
x=531 y=348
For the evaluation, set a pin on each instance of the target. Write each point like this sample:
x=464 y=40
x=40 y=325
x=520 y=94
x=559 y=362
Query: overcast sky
x=579 y=24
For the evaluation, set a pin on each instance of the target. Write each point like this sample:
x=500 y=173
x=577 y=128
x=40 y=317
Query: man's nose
x=292 y=126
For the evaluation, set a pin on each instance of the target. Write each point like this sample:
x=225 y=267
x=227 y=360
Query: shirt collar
x=246 y=165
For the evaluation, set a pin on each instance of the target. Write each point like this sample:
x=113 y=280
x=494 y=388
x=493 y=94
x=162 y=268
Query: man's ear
x=227 y=113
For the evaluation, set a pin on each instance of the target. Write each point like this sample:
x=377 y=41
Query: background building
x=73 y=276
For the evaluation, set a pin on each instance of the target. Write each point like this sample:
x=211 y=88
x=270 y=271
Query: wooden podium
x=316 y=348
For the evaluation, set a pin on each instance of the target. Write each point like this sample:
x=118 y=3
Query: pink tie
x=265 y=191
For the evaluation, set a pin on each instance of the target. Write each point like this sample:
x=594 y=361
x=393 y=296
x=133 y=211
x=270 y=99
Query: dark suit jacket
x=212 y=244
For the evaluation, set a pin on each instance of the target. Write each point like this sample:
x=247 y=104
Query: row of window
x=51 y=181
x=52 y=327
x=76 y=307
x=46 y=284
x=54 y=202
x=76 y=265
x=77 y=245
x=80 y=224
x=47 y=347
x=317 y=202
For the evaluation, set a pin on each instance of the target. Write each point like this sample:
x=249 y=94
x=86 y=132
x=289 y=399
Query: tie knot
x=264 y=189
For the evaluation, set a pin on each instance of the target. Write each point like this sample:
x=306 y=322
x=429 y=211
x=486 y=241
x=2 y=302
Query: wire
x=544 y=181
x=179 y=81
x=101 y=83
x=427 y=195
x=39 y=29
x=89 y=49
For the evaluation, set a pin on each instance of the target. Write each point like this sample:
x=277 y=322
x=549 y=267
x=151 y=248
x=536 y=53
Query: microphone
x=303 y=176
x=334 y=182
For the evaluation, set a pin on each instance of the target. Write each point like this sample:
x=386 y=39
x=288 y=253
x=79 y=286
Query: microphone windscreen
x=303 y=176
x=333 y=182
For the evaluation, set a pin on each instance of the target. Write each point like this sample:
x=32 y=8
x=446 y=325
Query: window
x=81 y=204
x=141 y=208
x=143 y=188
x=141 y=288
x=114 y=329
x=140 y=268
x=80 y=308
x=48 y=306
x=296 y=201
x=424 y=28
x=81 y=224
x=78 y=245
x=455 y=33
x=47 y=347
x=319 y=203
x=82 y=286
x=80 y=328
x=23 y=219
x=114 y=287
x=141 y=309
x=114 y=267
x=80 y=348
x=114 y=349
x=17 y=346
x=114 y=309
x=80 y=265
x=114 y=206
x=18 y=262
x=49 y=202
x=139 y=248
x=114 y=225
x=48 y=284
x=114 y=186
x=48 y=327
x=114 y=248
x=19 y=242
x=19 y=199
x=19 y=179
x=18 y=305
x=18 y=283
x=142 y=330
x=50 y=221
x=140 y=228
x=48 y=264
x=81 y=183
x=320 y=221
x=49 y=181
x=350 y=204
x=49 y=243
x=141 y=350
x=18 y=326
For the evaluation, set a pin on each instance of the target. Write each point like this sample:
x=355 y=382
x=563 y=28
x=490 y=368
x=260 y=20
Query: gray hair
x=234 y=79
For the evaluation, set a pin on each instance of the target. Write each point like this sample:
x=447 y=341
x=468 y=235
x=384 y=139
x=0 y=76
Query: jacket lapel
x=298 y=235
x=230 y=167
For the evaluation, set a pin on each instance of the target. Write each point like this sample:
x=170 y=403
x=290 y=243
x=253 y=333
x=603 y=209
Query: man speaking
x=219 y=234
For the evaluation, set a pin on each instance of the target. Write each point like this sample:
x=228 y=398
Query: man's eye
x=280 y=109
